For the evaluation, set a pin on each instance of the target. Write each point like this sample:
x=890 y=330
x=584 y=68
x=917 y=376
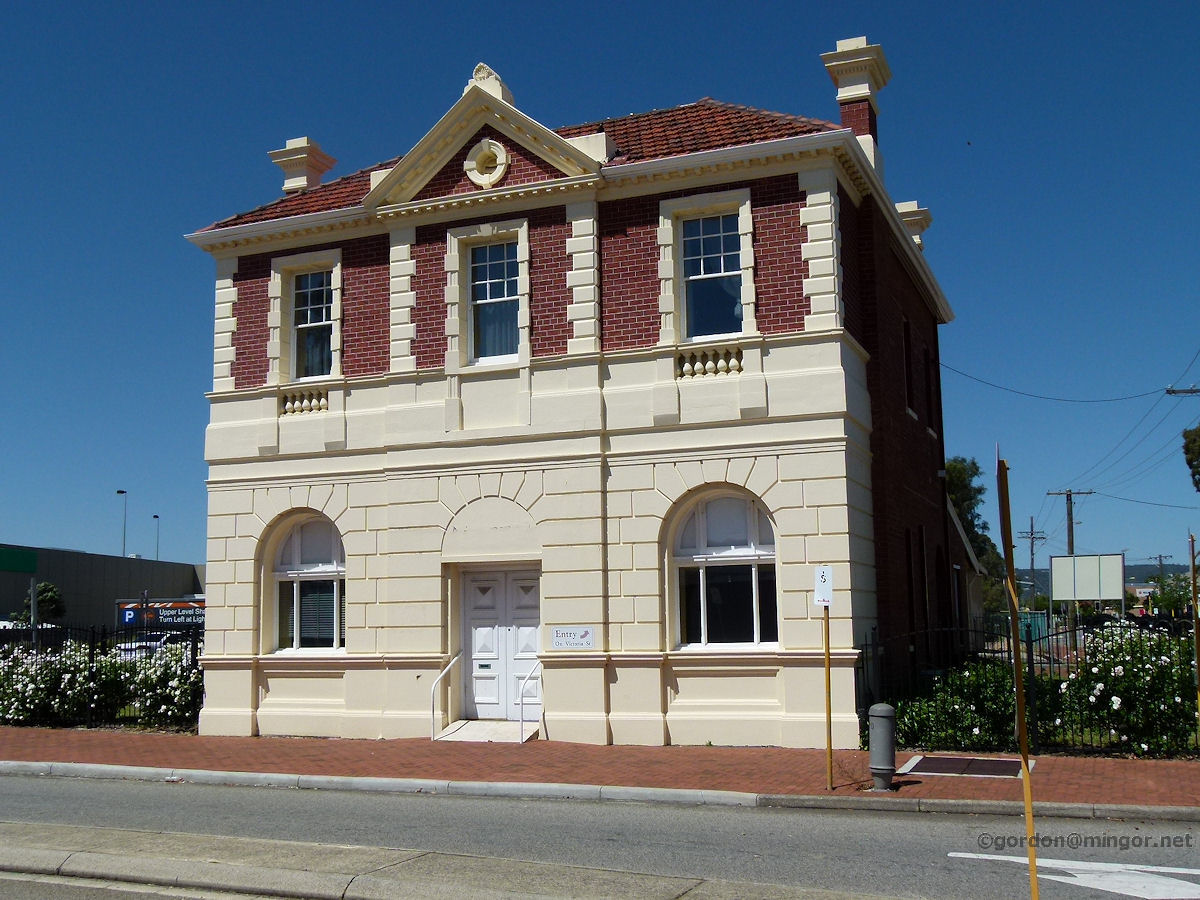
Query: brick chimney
x=303 y=164
x=859 y=70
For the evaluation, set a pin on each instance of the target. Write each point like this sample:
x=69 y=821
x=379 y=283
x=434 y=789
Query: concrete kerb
x=552 y=791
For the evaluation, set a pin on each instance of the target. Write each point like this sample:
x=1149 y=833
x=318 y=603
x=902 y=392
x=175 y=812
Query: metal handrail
x=521 y=696
x=433 y=729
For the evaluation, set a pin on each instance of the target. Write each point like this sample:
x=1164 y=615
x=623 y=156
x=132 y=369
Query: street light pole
x=124 y=517
x=156 y=524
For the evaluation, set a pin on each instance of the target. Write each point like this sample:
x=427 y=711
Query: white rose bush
x=73 y=685
x=1135 y=694
x=1129 y=692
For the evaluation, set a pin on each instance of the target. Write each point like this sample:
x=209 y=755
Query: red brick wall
x=429 y=283
x=549 y=263
x=779 y=272
x=523 y=168
x=549 y=296
x=912 y=574
x=859 y=117
x=250 y=310
x=629 y=273
x=365 y=326
x=366 y=339
x=629 y=261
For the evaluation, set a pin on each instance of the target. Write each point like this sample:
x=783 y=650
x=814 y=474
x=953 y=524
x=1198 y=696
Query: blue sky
x=1055 y=148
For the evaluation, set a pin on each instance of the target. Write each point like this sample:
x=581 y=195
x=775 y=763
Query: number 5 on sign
x=823 y=585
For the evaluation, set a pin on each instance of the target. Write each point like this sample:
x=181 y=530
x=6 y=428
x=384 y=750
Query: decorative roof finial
x=485 y=77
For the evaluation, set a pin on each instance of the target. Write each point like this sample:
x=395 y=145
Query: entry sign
x=823 y=585
x=578 y=637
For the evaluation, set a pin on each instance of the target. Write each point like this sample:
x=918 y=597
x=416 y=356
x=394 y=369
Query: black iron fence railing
x=1107 y=686
x=62 y=675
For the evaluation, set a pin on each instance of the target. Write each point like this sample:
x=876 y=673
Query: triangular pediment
x=455 y=157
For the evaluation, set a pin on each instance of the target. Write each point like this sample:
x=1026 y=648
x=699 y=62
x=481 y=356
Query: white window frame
x=281 y=340
x=294 y=572
x=459 y=319
x=672 y=301
x=758 y=553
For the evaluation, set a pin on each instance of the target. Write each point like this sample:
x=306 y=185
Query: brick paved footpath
x=762 y=770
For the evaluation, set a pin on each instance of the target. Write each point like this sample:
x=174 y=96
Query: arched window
x=724 y=558
x=310 y=577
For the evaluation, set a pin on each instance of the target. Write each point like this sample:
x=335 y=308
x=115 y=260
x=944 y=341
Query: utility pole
x=1070 y=495
x=1162 y=575
x=1033 y=537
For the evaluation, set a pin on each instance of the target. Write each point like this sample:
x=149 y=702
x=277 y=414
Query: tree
x=966 y=491
x=50 y=604
x=1191 y=452
x=1171 y=592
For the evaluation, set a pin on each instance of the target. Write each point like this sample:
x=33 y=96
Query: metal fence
x=1069 y=705
x=54 y=659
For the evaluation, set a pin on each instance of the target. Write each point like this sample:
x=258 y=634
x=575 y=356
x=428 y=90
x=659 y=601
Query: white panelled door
x=502 y=615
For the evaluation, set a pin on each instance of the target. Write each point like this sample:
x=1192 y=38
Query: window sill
x=727 y=649
x=308 y=651
x=712 y=338
x=493 y=364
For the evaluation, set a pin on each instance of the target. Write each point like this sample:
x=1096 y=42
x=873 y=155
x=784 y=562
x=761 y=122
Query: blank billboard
x=1099 y=577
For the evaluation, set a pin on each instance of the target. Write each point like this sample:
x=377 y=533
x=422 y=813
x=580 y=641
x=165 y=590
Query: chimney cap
x=916 y=219
x=858 y=69
x=303 y=163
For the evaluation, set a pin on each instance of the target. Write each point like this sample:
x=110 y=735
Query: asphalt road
x=895 y=854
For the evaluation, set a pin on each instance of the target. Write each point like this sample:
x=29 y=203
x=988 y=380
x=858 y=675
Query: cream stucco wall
x=585 y=493
x=576 y=466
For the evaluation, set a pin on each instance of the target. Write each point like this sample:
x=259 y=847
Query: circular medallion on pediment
x=487 y=163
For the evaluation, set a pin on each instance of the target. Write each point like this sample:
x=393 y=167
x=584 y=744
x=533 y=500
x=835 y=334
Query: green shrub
x=969 y=708
x=1133 y=691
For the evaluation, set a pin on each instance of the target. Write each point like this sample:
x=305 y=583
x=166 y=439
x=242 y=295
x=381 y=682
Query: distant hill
x=1138 y=573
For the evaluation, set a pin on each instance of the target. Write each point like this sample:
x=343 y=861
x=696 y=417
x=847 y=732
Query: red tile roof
x=707 y=124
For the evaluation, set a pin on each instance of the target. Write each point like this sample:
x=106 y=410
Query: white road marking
x=1127 y=879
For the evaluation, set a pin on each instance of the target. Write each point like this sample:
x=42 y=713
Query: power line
x=1143 y=502
x=1001 y=387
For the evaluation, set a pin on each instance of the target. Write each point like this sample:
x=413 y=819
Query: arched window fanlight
x=724 y=557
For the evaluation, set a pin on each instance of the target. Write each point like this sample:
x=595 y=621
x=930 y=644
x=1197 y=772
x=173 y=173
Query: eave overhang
x=854 y=168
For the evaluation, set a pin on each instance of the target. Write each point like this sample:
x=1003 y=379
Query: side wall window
x=723 y=558
x=304 y=322
x=310 y=588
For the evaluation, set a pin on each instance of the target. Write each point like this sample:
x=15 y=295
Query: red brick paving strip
x=762 y=770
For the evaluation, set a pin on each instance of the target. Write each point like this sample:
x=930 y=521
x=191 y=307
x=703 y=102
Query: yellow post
x=1195 y=620
x=828 y=712
x=1014 y=625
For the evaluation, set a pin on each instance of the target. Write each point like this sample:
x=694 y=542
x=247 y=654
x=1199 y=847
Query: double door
x=502 y=617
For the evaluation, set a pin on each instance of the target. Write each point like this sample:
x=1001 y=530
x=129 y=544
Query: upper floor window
x=312 y=306
x=304 y=321
x=712 y=273
x=495 y=300
x=310 y=579
x=724 y=559
x=706 y=266
x=487 y=295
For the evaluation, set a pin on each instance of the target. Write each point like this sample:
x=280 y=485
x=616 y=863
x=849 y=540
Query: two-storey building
x=560 y=423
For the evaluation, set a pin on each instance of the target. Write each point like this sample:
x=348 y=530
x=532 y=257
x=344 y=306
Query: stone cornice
x=541 y=193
